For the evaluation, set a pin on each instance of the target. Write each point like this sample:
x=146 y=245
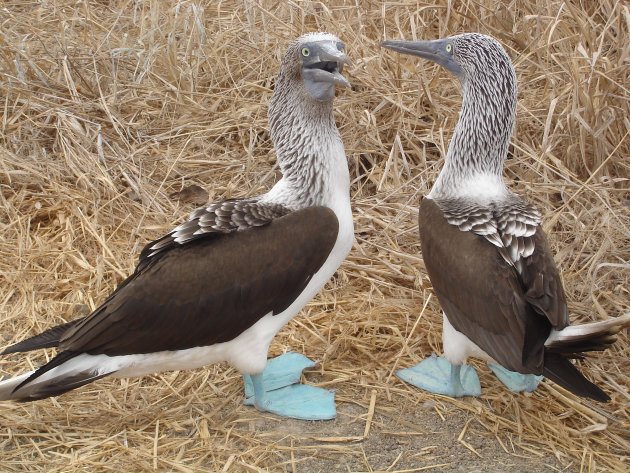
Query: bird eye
x=449 y=48
x=340 y=46
x=306 y=52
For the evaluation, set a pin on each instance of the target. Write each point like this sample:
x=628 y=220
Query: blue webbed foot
x=281 y=371
x=439 y=376
x=514 y=381
x=276 y=390
x=297 y=401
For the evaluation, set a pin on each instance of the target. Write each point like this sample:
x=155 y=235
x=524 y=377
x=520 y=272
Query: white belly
x=457 y=346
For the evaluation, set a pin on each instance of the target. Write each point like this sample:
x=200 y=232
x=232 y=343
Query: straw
x=118 y=118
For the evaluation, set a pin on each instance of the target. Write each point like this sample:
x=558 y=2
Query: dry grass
x=109 y=109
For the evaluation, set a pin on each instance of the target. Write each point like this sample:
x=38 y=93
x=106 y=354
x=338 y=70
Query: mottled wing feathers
x=510 y=226
x=216 y=219
x=513 y=227
x=517 y=226
x=494 y=276
x=209 y=290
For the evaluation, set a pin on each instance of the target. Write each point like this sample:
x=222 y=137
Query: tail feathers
x=561 y=371
x=55 y=387
x=576 y=339
x=573 y=342
x=60 y=375
x=577 y=348
x=8 y=386
x=60 y=359
x=47 y=339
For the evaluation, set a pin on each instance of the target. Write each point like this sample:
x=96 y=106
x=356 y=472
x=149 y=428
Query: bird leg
x=277 y=390
x=261 y=401
x=455 y=382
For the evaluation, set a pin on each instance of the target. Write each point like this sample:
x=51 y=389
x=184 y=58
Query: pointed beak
x=435 y=51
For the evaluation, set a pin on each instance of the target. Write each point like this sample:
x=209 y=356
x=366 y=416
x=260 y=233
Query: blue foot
x=515 y=382
x=297 y=401
x=437 y=375
x=276 y=390
x=281 y=371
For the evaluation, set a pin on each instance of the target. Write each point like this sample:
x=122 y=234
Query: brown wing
x=508 y=312
x=210 y=290
x=212 y=221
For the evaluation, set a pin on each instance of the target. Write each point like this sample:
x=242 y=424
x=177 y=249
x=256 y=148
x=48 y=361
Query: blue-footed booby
x=484 y=248
x=222 y=284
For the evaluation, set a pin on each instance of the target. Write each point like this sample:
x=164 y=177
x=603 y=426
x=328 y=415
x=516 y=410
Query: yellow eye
x=449 y=48
x=306 y=52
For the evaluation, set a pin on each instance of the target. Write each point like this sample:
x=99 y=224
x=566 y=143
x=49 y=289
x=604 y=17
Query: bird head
x=469 y=56
x=316 y=60
x=481 y=138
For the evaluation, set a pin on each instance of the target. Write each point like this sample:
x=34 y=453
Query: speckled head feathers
x=316 y=36
x=305 y=86
x=479 y=146
x=478 y=55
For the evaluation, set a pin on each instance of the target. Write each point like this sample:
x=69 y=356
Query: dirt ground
x=375 y=430
x=401 y=437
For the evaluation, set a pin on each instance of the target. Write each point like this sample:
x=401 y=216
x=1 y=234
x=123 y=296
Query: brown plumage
x=219 y=286
x=510 y=313
x=222 y=284
x=484 y=248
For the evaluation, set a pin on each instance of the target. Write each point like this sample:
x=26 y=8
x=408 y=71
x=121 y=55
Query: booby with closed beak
x=484 y=248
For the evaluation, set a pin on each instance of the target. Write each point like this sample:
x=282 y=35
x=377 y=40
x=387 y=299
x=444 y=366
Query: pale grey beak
x=322 y=69
x=435 y=50
x=325 y=64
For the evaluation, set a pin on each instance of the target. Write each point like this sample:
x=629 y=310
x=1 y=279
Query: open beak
x=326 y=65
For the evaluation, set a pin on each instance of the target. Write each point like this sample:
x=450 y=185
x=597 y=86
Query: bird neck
x=474 y=162
x=309 y=149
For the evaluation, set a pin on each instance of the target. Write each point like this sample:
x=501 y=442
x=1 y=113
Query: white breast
x=480 y=187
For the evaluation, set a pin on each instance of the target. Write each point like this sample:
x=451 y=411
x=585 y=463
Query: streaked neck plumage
x=474 y=162
x=308 y=147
